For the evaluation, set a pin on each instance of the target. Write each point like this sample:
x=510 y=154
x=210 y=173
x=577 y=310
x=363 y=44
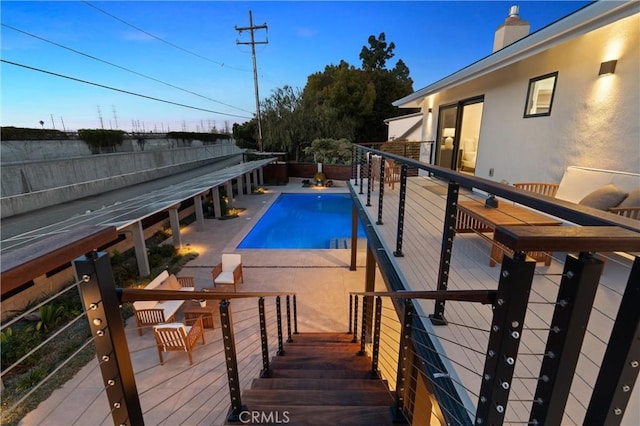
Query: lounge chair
x=229 y=271
x=178 y=337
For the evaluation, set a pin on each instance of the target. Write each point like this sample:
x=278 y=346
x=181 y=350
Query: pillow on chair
x=632 y=200
x=604 y=197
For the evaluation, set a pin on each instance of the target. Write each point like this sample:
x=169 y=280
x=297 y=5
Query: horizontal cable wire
x=54 y=371
x=44 y=342
x=33 y=309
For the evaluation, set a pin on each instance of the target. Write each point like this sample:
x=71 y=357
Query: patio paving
x=177 y=393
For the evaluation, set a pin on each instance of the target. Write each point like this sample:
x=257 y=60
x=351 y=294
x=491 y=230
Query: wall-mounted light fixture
x=430 y=110
x=607 y=67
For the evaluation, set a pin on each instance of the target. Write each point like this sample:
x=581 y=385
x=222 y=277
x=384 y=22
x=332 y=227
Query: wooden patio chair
x=229 y=271
x=542 y=188
x=630 y=212
x=177 y=337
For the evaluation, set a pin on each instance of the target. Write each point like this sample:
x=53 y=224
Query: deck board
x=463 y=342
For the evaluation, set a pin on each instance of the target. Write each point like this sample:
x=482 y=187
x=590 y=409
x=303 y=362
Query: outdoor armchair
x=229 y=271
x=178 y=337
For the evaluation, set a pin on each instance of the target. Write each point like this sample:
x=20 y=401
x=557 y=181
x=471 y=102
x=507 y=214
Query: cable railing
x=38 y=346
x=238 y=349
x=421 y=240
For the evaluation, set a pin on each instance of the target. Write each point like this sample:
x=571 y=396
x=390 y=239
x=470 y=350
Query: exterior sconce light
x=430 y=110
x=607 y=67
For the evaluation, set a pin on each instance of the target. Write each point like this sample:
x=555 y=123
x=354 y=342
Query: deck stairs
x=320 y=380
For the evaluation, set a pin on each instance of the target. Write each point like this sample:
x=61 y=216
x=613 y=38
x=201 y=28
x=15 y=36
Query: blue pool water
x=304 y=221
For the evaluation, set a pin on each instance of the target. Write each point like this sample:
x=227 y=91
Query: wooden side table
x=193 y=310
x=474 y=216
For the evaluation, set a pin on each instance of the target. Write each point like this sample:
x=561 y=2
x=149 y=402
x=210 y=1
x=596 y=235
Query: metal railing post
x=295 y=315
x=448 y=233
x=350 y=313
x=229 y=343
x=576 y=294
x=102 y=306
x=266 y=371
x=375 y=351
x=361 y=171
x=621 y=361
x=369 y=176
x=354 y=166
x=405 y=337
x=509 y=312
x=289 y=339
x=279 y=322
x=355 y=319
x=381 y=193
x=401 y=203
x=363 y=333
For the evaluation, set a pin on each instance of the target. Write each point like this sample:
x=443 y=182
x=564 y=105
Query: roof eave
x=592 y=16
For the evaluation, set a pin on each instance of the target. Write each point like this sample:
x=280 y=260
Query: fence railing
x=521 y=355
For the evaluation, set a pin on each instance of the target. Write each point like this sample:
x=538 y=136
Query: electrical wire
x=123 y=68
x=175 y=46
x=121 y=90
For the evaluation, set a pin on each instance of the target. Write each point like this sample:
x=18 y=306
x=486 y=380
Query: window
x=540 y=95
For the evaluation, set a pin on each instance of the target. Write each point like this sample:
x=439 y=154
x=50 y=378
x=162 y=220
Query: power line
x=121 y=90
x=120 y=67
x=253 y=43
x=161 y=39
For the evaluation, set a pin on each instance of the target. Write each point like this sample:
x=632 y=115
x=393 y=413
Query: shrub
x=101 y=140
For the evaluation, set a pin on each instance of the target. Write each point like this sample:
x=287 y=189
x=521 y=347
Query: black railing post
x=289 y=339
x=266 y=371
x=375 y=350
x=363 y=334
x=369 y=176
x=229 y=343
x=509 y=312
x=361 y=171
x=621 y=361
x=401 y=202
x=355 y=320
x=279 y=323
x=105 y=322
x=350 y=313
x=295 y=315
x=448 y=233
x=405 y=337
x=354 y=166
x=576 y=294
x=381 y=193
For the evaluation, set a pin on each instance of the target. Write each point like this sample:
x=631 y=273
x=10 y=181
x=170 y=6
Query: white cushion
x=224 y=278
x=230 y=261
x=158 y=280
x=150 y=304
x=578 y=182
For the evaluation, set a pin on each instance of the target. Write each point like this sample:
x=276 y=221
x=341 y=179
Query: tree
x=246 y=134
x=375 y=57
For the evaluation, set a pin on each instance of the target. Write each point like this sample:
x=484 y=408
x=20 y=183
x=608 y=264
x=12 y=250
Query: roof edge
x=590 y=17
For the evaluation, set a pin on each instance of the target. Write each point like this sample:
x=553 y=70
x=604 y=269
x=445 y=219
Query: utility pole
x=253 y=43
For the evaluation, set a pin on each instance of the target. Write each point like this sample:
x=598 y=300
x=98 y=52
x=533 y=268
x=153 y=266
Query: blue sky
x=198 y=63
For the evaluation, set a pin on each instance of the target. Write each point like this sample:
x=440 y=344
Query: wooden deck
x=462 y=343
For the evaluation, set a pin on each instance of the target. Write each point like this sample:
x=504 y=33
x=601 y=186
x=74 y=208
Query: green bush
x=101 y=140
x=11 y=133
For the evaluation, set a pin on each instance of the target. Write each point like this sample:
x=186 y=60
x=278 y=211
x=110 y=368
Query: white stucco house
x=567 y=94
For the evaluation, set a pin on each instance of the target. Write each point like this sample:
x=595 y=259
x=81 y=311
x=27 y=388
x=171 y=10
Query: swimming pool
x=304 y=221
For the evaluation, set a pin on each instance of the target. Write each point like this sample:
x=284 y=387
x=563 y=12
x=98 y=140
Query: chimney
x=511 y=31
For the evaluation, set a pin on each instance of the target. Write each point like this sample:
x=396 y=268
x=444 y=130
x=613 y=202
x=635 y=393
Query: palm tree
x=42 y=123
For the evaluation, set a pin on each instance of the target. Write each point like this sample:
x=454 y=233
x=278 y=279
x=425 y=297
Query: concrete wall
x=593 y=122
x=33 y=185
x=16 y=151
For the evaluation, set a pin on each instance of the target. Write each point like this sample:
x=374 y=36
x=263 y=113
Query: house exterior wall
x=399 y=127
x=593 y=121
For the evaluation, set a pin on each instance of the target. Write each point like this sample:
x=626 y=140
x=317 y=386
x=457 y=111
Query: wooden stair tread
x=318 y=384
x=316 y=415
x=316 y=397
x=298 y=373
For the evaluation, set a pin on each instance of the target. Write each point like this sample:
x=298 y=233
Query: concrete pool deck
x=320 y=278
